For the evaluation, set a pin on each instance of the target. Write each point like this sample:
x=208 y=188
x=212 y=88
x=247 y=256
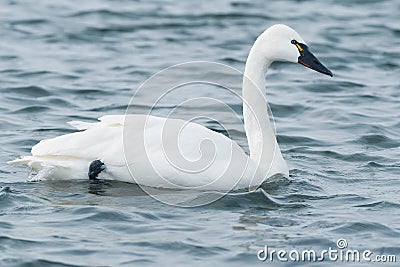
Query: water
x=68 y=60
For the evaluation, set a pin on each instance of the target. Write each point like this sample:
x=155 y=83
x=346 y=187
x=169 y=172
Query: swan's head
x=282 y=43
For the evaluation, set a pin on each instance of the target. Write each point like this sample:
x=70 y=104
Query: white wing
x=160 y=152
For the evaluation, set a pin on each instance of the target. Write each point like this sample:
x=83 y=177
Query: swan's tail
x=38 y=171
x=54 y=167
x=21 y=161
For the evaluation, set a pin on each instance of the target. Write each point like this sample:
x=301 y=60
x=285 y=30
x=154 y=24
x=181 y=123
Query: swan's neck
x=260 y=133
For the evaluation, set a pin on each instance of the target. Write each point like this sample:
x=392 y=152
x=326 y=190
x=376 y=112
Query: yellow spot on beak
x=299 y=47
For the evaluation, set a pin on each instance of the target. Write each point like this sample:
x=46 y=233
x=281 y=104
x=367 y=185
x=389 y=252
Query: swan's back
x=160 y=152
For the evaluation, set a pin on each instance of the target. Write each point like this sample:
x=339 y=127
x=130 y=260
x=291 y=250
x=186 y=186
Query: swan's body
x=172 y=153
x=103 y=140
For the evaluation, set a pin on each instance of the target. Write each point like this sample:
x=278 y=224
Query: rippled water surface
x=68 y=60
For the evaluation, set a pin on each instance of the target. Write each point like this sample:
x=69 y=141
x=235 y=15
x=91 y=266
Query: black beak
x=307 y=59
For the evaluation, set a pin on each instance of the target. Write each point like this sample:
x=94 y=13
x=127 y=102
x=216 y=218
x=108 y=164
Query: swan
x=176 y=154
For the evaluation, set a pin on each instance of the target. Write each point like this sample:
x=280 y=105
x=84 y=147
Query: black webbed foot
x=95 y=168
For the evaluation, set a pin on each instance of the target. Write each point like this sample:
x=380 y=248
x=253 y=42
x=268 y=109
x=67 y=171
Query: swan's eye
x=297 y=44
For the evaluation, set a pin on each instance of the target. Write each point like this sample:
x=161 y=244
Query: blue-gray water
x=67 y=60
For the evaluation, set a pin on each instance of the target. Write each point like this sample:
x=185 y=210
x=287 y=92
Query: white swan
x=172 y=153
